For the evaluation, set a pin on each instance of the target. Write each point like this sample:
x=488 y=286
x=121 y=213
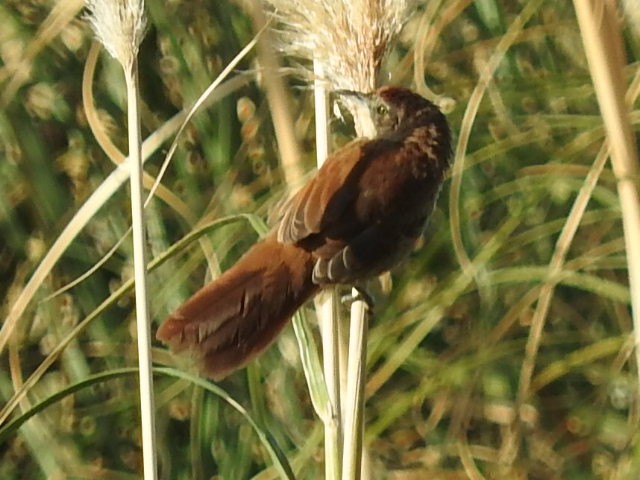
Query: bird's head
x=392 y=108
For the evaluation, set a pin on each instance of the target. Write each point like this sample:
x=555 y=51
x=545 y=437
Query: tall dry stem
x=120 y=26
x=605 y=54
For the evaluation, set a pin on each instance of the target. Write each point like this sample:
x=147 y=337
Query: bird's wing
x=329 y=194
x=342 y=214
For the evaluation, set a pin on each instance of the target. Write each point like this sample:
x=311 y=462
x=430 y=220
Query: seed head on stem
x=120 y=25
x=349 y=38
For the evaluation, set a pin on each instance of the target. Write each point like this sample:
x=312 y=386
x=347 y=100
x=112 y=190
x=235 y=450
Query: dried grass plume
x=349 y=38
x=120 y=26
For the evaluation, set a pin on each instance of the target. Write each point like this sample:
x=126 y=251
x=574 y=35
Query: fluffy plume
x=120 y=26
x=349 y=38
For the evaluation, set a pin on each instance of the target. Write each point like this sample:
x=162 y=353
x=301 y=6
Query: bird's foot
x=358 y=294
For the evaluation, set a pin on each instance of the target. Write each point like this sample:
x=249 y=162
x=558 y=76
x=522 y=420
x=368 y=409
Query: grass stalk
x=603 y=46
x=279 y=102
x=350 y=403
x=354 y=402
x=143 y=327
x=325 y=307
x=121 y=26
x=360 y=314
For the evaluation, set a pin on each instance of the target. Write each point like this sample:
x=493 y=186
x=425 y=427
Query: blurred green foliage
x=446 y=347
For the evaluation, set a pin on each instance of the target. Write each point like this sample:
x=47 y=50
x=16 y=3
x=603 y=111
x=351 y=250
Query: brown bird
x=356 y=218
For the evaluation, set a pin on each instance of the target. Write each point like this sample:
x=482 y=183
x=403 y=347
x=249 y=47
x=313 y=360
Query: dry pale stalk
x=605 y=54
x=120 y=26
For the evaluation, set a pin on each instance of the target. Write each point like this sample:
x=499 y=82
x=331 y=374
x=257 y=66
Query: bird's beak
x=359 y=105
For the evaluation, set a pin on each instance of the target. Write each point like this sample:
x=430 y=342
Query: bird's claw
x=358 y=294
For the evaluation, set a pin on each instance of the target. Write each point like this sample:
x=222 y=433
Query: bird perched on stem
x=356 y=218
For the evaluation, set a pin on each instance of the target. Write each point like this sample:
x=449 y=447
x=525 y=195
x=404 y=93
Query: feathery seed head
x=349 y=38
x=120 y=26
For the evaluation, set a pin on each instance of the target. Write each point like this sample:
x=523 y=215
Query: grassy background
x=447 y=345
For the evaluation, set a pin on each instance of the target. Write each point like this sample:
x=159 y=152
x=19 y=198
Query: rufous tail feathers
x=234 y=318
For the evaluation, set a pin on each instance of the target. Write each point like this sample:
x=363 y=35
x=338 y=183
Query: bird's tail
x=233 y=319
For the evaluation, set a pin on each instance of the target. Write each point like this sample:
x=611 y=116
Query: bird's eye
x=382 y=110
